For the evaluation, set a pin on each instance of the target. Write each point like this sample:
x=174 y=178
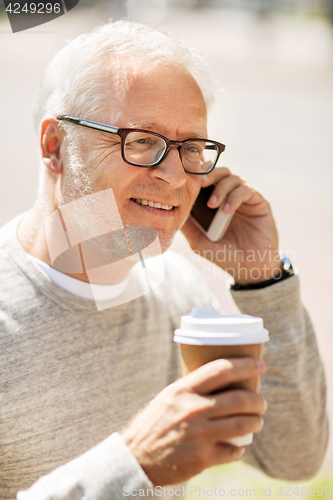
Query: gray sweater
x=72 y=376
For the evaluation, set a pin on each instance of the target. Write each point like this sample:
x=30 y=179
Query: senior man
x=74 y=376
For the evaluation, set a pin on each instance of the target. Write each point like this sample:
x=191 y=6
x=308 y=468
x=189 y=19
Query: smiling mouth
x=153 y=204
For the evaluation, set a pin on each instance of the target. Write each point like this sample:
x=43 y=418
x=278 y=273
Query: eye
x=193 y=149
x=136 y=140
x=142 y=141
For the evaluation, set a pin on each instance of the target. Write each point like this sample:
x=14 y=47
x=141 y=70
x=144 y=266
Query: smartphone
x=212 y=221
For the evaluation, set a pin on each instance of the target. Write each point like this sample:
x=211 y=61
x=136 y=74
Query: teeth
x=153 y=204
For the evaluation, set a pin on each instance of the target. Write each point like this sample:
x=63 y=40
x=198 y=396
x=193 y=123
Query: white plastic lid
x=204 y=326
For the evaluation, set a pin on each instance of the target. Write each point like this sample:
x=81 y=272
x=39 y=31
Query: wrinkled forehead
x=139 y=93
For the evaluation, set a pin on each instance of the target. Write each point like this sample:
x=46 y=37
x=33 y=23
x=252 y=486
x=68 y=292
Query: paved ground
x=275 y=115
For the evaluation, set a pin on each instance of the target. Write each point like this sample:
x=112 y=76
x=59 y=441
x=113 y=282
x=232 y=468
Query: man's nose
x=171 y=169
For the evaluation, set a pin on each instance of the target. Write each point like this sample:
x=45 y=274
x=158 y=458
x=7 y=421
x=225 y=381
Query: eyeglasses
x=143 y=148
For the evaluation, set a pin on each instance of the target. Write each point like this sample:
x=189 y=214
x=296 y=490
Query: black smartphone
x=212 y=221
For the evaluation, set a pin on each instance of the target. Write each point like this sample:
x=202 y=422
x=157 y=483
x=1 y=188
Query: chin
x=152 y=242
x=144 y=238
x=165 y=239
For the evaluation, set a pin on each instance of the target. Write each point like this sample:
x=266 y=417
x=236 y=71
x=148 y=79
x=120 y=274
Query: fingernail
x=226 y=206
x=212 y=200
x=205 y=178
x=261 y=365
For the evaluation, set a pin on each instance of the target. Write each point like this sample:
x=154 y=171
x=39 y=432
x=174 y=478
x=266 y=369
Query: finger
x=238 y=196
x=239 y=425
x=215 y=176
x=222 y=372
x=232 y=402
x=223 y=189
x=224 y=453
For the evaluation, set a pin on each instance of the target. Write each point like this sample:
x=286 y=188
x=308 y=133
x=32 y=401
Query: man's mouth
x=153 y=204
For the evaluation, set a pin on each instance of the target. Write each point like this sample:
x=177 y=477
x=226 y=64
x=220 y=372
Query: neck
x=32 y=237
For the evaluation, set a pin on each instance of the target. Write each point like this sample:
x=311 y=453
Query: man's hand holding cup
x=185 y=428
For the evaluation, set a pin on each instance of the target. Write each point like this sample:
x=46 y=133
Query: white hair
x=74 y=82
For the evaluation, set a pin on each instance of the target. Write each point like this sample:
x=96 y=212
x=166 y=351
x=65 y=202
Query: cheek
x=108 y=166
x=193 y=188
x=105 y=158
x=100 y=151
x=118 y=176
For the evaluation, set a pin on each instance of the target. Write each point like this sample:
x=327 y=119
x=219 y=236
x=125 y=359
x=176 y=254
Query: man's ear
x=51 y=138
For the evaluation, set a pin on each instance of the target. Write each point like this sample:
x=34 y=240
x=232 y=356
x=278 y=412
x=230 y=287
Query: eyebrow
x=151 y=126
x=143 y=125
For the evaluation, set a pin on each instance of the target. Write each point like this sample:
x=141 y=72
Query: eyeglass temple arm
x=89 y=124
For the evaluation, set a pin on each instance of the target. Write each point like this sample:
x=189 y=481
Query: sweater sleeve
x=293 y=441
x=109 y=470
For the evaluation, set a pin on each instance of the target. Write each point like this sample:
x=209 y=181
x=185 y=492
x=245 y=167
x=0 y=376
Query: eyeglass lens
x=143 y=148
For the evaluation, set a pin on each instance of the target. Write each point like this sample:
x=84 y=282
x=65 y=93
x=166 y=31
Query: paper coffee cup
x=204 y=335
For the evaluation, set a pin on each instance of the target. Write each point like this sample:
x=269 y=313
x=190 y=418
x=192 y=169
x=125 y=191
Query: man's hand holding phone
x=249 y=249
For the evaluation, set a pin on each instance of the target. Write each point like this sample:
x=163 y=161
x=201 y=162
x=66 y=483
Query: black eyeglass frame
x=123 y=132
